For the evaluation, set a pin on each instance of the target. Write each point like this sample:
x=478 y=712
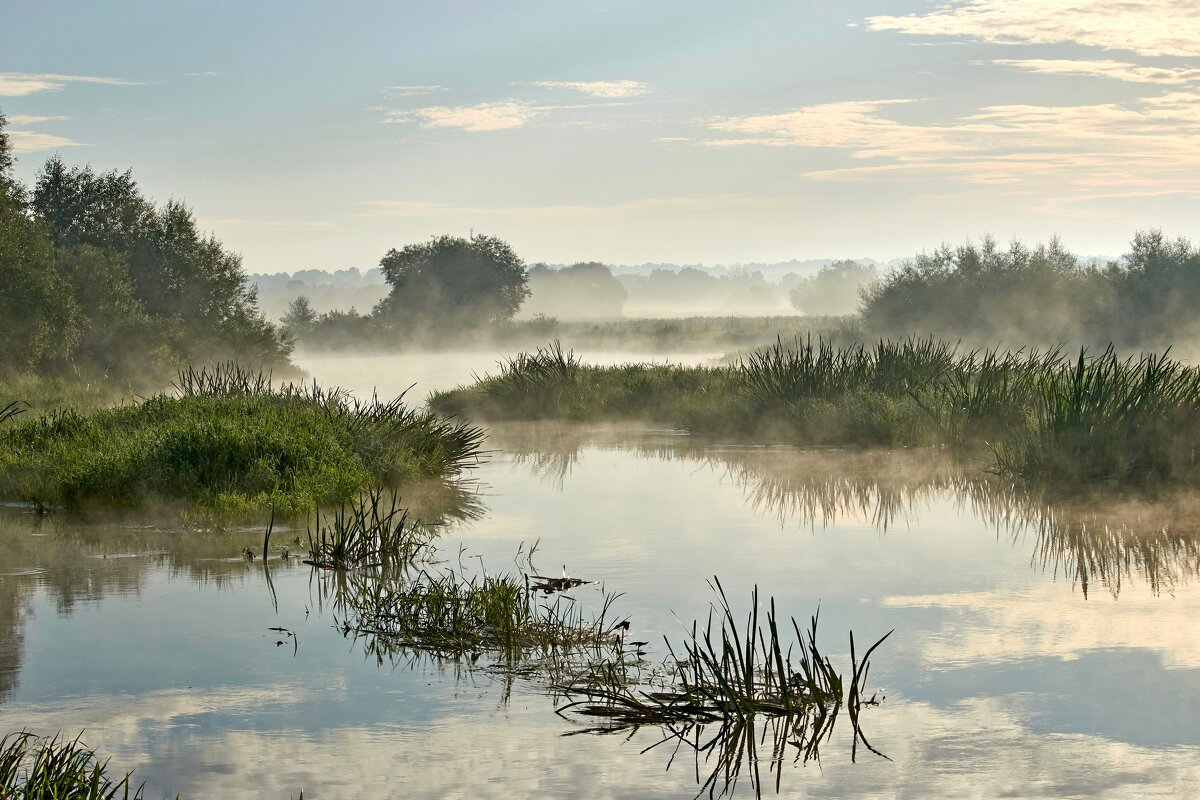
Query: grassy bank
x=229 y=441
x=1041 y=415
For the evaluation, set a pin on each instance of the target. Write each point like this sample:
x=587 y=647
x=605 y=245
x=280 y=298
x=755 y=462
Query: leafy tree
x=834 y=289
x=184 y=279
x=455 y=282
x=300 y=317
x=39 y=313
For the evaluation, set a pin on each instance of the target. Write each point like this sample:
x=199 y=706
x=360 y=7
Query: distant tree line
x=95 y=278
x=1023 y=295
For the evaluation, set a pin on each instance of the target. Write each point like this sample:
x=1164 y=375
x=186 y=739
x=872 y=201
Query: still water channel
x=1040 y=650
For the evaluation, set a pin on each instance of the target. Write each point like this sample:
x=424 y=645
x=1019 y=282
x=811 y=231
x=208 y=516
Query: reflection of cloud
x=1148 y=144
x=974 y=748
x=477 y=118
x=1149 y=27
x=19 y=84
x=598 y=88
x=1046 y=621
x=1117 y=70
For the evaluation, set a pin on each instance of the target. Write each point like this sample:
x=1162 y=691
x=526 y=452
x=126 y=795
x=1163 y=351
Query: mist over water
x=1030 y=635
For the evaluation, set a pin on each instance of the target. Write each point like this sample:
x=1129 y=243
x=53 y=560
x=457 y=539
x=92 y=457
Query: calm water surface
x=1039 y=650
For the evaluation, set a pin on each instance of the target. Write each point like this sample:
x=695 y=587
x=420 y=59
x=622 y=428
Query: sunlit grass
x=229 y=441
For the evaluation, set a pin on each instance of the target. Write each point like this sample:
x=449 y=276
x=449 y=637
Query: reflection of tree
x=77 y=559
x=1107 y=540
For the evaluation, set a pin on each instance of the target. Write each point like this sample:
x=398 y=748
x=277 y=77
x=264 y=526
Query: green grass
x=33 y=768
x=1096 y=419
x=229 y=442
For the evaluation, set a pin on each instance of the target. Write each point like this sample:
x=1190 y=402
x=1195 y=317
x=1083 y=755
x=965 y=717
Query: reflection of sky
x=1000 y=678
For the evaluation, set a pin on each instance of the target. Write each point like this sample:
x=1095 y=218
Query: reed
x=721 y=674
x=368 y=532
x=34 y=768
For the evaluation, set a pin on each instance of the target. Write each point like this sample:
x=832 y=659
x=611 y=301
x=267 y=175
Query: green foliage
x=230 y=442
x=299 y=318
x=94 y=277
x=1097 y=419
x=32 y=768
x=41 y=316
x=984 y=293
x=1043 y=295
x=451 y=282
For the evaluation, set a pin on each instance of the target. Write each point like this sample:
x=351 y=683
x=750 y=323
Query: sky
x=319 y=135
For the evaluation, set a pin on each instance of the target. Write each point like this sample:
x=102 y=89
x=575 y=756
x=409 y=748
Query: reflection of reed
x=1107 y=541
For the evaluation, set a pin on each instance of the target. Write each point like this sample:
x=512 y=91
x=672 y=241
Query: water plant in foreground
x=368 y=532
x=57 y=768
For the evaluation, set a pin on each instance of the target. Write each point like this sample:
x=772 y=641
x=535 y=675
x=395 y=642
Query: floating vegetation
x=368 y=532
x=35 y=768
x=451 y=617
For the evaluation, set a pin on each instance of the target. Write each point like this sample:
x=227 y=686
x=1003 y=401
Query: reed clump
x=1043 y=417
x=35 y=768
x=453 y=617
x=368 y=532
x=231 y=441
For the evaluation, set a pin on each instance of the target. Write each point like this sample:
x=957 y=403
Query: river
x=1039 y=650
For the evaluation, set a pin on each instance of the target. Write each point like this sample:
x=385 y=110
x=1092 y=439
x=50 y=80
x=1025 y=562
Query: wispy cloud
x=287 y=225
x=412 y=91
x=1116 y=70
x=1146 y=145
x=637 y=207
x=496 y=116
x=1148 y=27
x=20 y=84
x=29 y=119
x=206 y=74
x=33 y=141
x=607 y=89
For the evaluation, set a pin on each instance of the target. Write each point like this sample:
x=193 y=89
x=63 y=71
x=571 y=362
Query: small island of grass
x=228 y=441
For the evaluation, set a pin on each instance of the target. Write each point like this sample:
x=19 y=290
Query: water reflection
x=1098 y=540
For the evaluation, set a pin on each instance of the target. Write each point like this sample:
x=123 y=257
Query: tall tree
x=451 y=281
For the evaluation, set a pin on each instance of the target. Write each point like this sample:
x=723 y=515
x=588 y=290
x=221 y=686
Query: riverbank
x=1041 y=415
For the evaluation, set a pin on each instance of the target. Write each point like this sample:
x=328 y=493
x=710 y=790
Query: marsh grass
x=494 y=618
x=1041 y=416
x=721 y=674
x=231 y=442
x=368 y=532
x=34 y=768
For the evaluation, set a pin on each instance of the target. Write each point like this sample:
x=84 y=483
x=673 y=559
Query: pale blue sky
x=313 y=135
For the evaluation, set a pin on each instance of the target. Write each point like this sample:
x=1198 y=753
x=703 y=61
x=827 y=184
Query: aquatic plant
x=34 y=768
x=231 y=442
x=722 y=674
x=367 y=532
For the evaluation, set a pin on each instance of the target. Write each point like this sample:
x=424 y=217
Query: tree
x=451 y=281
x=833 y=290
x=186 y=281
x=299 y=318
x=583 y=290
